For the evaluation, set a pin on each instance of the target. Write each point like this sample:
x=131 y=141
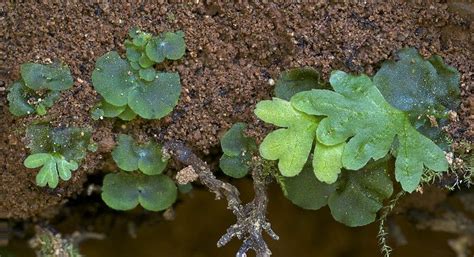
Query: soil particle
x=233 y=50
x=186 y=175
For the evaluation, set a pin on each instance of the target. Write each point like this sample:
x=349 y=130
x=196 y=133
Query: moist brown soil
x=232 y=53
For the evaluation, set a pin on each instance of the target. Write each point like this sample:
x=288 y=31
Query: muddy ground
x=233 y=50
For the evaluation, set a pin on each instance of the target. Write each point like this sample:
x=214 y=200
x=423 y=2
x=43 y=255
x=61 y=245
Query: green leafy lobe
x=54 y=77
x=425 y=89
x=306 y=191
x=145 y=62
x=38 y=89
x=114 y=79
x=238 y=150
x=58 y=150
x=127 y=115
x=297 y=80
x=123 y=191
x=104 y=109
x=131 y=156
x=327 y=162
x=292 y=144
x=147 y=74
x=155 y=99
x=133 y=55
x=134 y=82
x=18 y=100
x=357 y=111
x=327 y=159
x=169 y=46
x=53 y=165
x=418 y=86
x=70 y=142
x=354 y=199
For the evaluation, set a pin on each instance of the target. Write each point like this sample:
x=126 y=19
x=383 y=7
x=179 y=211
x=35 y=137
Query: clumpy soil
x=233 y=52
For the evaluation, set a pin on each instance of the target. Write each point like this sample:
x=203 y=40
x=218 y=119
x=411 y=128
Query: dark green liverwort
x=132 y=86
x=39 y=87
x=359 y=125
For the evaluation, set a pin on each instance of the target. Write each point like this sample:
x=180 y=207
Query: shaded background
x=200 y=220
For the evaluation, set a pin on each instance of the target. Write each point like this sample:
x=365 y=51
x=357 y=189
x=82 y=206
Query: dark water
x=200 y=221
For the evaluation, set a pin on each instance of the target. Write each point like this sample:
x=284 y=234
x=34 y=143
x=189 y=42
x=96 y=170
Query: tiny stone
x=433 y=121
x=271 y=82
x=186 y=175
x=449 y=157
x=453 y=116
x=169 y=214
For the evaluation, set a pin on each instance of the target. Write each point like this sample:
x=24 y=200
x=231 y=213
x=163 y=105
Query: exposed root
x=251 y=217
x=382 y=235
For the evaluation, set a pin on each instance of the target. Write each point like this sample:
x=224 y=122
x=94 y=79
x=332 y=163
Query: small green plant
x=106 y=110
x=354 y=128
x=132 y=86
x=131 y=156
x=237 y=151
x=426 y=90
x=149 y=188
x=354 y=199
x=53 y=164
x=39 y=88
x=357 y=111
x=297 y=80
x=123 y=191
x=292 y=144
x=57 y=150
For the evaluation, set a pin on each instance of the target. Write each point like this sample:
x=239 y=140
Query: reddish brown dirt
x=233 y=50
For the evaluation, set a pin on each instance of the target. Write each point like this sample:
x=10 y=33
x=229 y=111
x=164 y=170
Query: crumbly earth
x=233 y=51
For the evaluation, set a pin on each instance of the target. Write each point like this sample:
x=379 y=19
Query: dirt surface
x=232 y=53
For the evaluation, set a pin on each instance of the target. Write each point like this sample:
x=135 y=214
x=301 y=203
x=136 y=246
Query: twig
x=382 y=235
x=251 y=217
